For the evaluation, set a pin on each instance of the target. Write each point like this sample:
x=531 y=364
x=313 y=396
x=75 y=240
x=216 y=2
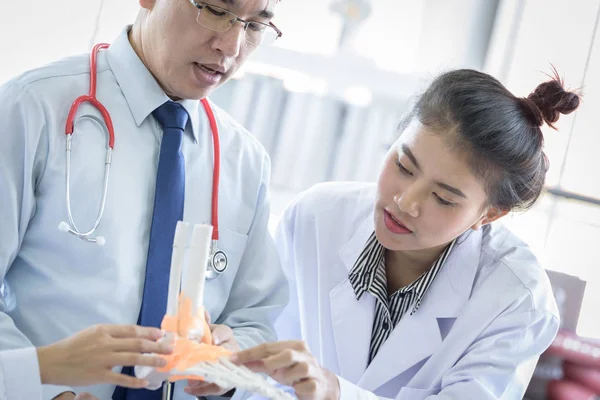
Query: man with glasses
x=150 y=79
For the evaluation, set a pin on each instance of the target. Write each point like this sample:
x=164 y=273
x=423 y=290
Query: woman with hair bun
x=409 y=289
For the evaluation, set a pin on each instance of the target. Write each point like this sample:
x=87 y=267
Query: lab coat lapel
x=418 y=336
x=352 y=320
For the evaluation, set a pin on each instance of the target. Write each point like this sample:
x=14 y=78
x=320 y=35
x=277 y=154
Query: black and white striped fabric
x=368 y=275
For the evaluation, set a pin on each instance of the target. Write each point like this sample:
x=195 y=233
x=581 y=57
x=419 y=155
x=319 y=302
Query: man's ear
x=490 y=216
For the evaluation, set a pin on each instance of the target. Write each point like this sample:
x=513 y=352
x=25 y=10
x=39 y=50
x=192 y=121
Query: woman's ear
x=490 y=216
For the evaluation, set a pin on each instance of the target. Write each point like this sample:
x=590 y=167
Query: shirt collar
x=422 y=284
x=141 y=90
x=364 y=271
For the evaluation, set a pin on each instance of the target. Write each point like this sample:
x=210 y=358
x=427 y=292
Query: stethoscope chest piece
x=217 y=263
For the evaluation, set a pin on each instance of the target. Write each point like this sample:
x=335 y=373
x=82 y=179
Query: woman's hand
x=222 y=336
x=87 y=358
x=291 y=364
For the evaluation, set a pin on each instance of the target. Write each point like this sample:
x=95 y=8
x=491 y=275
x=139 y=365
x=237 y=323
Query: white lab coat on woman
x=477 y=335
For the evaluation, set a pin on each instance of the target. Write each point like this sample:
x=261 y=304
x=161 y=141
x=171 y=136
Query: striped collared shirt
x=368 y=275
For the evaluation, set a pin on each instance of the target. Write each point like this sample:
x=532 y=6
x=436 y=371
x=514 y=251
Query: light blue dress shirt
x=57 y=284
x=20 y=375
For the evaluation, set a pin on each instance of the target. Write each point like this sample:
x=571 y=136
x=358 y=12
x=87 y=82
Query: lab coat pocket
x=218 y=290
x=407 y=393
x=233 y=244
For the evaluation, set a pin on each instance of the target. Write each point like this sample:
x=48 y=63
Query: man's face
x=188 y=59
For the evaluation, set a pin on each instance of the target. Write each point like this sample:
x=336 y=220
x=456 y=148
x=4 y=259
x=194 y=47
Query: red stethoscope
x=217 y=260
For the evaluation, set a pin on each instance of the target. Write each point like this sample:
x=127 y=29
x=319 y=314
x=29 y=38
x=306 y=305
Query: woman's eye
x=443 y=202
x=403 y=169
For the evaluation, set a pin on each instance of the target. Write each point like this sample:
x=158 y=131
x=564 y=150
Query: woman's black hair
x=500 y=132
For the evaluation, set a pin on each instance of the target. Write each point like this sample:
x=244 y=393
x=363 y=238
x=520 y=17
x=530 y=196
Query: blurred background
x=326 y=99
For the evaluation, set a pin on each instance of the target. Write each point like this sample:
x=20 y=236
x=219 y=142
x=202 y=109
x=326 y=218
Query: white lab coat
x=477 y=335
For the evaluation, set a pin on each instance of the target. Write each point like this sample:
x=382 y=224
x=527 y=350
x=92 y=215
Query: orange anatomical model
x=195 y=356
x=188 y=351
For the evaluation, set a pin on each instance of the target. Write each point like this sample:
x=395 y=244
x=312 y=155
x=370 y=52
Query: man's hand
x=222 y=336
x=291 y=364
x=88 y=357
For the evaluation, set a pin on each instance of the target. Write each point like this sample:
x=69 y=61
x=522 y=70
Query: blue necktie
x=168 y=209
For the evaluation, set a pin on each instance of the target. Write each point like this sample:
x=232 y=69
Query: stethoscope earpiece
x=63 y=227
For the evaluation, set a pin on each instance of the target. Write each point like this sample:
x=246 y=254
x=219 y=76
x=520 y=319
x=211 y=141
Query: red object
x=216 y=168
x=583 y=375
x=567 y=390
x=91 y=98
x=572 y=348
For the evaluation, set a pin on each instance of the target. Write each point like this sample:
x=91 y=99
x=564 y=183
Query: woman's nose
x=408 y=202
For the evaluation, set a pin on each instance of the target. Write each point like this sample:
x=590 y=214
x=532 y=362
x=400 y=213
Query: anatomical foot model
x=194 y=356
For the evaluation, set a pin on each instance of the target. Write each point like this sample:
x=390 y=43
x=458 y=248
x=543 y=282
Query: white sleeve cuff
x=20 y=374
x=350 y=391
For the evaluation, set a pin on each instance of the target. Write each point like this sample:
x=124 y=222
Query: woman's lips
x=394 y=225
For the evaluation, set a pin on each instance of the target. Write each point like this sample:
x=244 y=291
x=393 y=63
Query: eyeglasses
x=221 y=20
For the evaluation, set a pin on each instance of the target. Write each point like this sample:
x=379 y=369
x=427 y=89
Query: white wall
x=530 y=36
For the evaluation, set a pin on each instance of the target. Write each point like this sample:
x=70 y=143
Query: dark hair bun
x=550 y=100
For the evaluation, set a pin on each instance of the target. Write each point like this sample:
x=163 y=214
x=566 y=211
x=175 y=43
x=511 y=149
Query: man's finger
x=133 y=359
x=133 y=331
x=221 y=333
x=142 y=346
x=127 y=381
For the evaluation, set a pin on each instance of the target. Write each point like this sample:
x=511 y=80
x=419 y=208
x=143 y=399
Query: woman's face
x=426 y=193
